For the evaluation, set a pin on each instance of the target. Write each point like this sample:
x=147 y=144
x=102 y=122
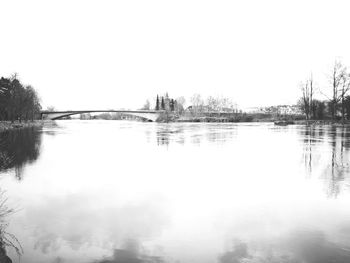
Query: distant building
x=279 y=109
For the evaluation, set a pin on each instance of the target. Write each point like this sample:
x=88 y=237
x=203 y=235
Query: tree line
x=199 y=105
x=211 y=104
x=18 y=101
x=336 y=106
x=165 y=103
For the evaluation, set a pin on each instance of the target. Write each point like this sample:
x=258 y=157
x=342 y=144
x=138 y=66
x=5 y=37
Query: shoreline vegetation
x=8 y=125
x=20 y=106
x=249 y=118
x=252 y=119
x=7 y=240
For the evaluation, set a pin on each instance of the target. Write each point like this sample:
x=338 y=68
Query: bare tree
x=307 y=89
x=225 y=104
x=345 y=87
x=311 y=82
x=337 y=78
x=212 y=103
x=197 y=104
x=180 y=104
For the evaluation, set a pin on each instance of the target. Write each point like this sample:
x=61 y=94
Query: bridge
x=150 y=115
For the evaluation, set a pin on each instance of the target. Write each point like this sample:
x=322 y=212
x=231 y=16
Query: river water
x=119 y=191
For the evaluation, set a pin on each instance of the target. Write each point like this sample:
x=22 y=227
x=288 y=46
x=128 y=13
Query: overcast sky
x=114 y=54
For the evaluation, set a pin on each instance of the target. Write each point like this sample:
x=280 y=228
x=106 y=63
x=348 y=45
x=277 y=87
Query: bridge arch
x=144 y=114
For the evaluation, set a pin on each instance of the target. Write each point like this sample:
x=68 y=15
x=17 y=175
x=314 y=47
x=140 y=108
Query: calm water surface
x=117 y=191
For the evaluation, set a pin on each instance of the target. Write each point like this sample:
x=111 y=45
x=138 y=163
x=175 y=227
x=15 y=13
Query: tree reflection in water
x=194 y=133
x=166 y=133
x=18 y=147
x=335 y=174
x=336 y=156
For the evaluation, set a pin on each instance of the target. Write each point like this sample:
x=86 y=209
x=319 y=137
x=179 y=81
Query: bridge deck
x=85 y=111
x=146 y=114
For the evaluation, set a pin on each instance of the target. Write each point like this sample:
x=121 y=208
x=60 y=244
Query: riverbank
x=7 y=125
x=237 y=117
x=213 y=119
x=254 y=119
x=322 y=122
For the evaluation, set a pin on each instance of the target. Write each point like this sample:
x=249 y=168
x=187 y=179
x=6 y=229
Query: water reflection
x=131 y=252
x=19 y=147
x=237 y=254
x=334 y=156
x=196 y=134
x=79 y=221
x=299 y=246
x=337 y=171
x=115 y=191
x=167 y=133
